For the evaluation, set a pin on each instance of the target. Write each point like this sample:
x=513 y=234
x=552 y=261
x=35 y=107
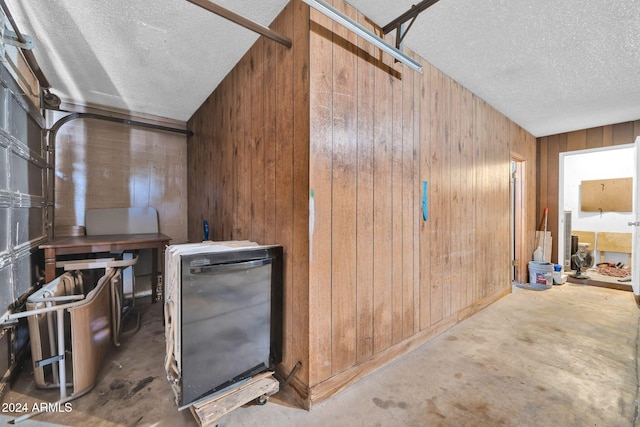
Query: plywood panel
x=614 y=242
x=585 y=237
x=607 y=195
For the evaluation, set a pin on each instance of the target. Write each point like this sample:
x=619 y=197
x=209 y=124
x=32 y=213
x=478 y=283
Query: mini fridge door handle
x=224 y=268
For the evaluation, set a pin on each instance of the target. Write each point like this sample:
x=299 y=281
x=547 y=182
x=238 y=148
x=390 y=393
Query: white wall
x=599 y=164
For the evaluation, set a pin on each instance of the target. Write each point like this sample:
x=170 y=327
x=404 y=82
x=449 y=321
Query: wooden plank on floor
x=207 y=412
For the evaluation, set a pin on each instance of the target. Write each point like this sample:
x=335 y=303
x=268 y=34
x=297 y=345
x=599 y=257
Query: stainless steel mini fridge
x=230 y=318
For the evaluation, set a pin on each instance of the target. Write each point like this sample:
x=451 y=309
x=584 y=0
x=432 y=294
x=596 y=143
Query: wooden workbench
x=107 y=243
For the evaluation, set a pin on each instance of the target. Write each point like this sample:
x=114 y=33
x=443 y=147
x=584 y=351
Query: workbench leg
x=162 y=248
x=154 y=275
x=49 y=265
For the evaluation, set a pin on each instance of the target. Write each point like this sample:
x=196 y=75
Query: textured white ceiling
x=160 y=57
x=551 y=66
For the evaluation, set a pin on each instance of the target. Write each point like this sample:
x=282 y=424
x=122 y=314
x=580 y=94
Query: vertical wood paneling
x=298 y=255
x=480 y=160
x=397 y=204
x=320 y=182
x=548 y=168
x=230 y=175
x=456 y=225
x=343 y=219
x=366 y=82
x=543 y=177
x=270 y=84
x=122 y=166
x=256 y=63
x=437 y=197
x=467 y=197
x=607 y=136
x=622 y=133
x=329 y=143
x=249 y=166
x=502 y=275
x=594 y=137
x=416 y=215
x=557 y=143
x=284 y=191
x=424 y=170
x=577 y=140
x=382 y=209
x=244 y=167
x=409 y=207
x=446 y=174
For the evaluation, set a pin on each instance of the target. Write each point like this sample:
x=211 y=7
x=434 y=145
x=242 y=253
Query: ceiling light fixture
x=361 y=31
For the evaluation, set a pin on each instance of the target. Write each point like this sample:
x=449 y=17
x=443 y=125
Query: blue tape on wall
x=425 y=212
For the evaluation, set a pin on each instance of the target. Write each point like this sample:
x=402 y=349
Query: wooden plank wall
x=549 y=148
x=382 y=280
x=248 y=164
x=124 y=166
x=331 y=164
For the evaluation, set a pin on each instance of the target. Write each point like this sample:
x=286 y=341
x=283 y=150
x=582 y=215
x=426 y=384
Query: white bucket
x=540 y=273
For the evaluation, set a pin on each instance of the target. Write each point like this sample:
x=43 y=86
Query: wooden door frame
x=518 y=216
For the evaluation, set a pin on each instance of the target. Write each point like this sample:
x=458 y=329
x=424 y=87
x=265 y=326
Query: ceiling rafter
x=242 y=21
x=411 y=14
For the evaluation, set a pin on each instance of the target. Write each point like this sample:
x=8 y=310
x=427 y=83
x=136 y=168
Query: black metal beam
x=415 y=10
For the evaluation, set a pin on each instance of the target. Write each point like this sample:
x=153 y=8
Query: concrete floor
x=560 y=357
